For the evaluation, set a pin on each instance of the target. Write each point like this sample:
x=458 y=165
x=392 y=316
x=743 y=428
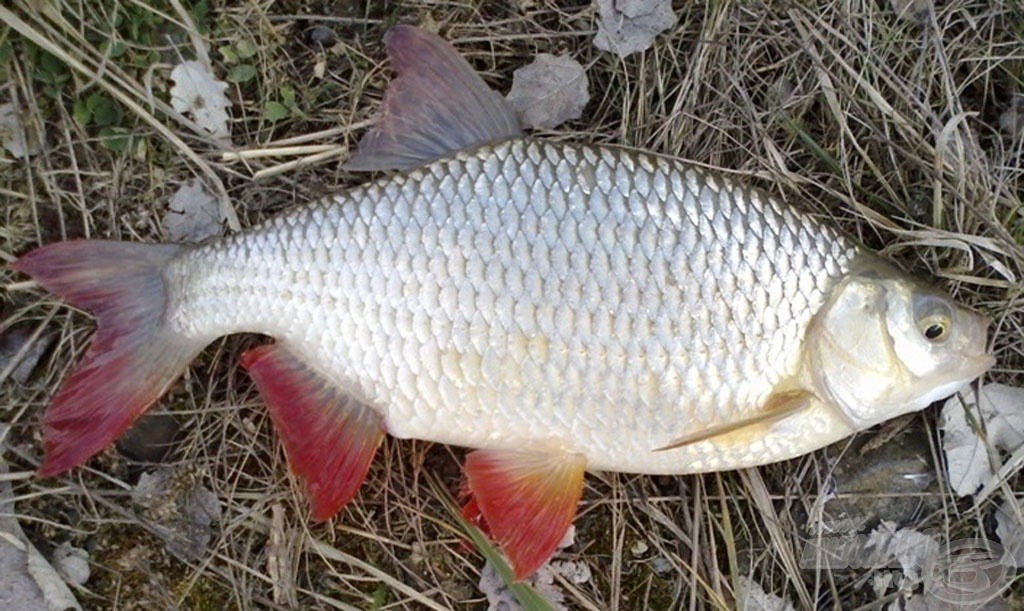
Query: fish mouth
x=969 y=369
x=980 y=360
x=954 y=381
x=984 y=362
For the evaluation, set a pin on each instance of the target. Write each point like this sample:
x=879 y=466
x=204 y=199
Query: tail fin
x=133 y=358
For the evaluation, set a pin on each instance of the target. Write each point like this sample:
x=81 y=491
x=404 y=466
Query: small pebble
x=182 y=510
x=661 y=565
x=151 y=438
x=1011 y=122
x=72 y=563
x=321 y=35
x=576 y=572
x=891 y=482
x=12 y=342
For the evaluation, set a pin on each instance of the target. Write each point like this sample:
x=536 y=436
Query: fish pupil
x=935 y=331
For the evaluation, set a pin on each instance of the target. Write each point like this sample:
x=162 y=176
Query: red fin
x=527 y=498
x=132 y=359
x=438 y=105
x=329 y=438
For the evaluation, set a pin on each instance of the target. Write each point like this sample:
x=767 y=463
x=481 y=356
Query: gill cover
x=885 y=345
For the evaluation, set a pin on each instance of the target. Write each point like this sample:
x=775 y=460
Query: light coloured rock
x=28 y=580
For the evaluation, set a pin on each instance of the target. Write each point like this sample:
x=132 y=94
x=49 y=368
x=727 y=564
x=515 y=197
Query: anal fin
x=528 y=499
x=329 y=438
x=779 y=406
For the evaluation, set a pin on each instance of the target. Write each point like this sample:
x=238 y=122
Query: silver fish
x=559 y=307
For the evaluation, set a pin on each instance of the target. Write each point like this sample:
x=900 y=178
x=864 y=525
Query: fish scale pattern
x=528 y=292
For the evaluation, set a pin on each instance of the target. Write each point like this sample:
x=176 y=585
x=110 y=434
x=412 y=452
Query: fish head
x=885 y=344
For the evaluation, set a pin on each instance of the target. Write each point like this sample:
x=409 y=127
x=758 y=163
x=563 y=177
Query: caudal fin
x=133 y=357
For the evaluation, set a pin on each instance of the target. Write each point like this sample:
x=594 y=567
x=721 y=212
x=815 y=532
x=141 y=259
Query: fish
x=556 y=307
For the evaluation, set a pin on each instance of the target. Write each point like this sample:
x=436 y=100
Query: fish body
x=557 y=307
x=604 y=299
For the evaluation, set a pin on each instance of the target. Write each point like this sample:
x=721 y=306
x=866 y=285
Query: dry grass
x=890 y=126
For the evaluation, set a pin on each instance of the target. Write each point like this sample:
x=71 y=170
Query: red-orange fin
x=438 y=105
x=133 y=358
x=329 y=438
x=527 y=498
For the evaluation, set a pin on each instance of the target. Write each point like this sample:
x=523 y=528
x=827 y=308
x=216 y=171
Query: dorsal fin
x=436 y=106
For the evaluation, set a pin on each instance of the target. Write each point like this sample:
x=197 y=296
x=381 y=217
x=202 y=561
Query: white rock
x=72 y=563
x=16 y=135
x=752 y=597
x=27 y=580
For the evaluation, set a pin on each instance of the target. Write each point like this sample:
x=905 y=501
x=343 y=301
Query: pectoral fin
x=528 y=499
x=329 y=438
x=779 y=406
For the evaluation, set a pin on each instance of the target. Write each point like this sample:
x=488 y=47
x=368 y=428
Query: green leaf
x=116 y=139
x=245 y=48
x=275 y=111
x=81 y=112
x=242 y=73
x=140 y=150
x=380 y=596
x=104 y=112
x=107 y=115
x=287 y=96
x=50 y=71
x=228 y=53
x=42 y=76
x=200 y=10
x=50 y=63
x=145 y=60
x=113 y=49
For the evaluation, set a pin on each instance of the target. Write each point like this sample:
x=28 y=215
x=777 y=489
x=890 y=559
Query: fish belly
x=532 y=292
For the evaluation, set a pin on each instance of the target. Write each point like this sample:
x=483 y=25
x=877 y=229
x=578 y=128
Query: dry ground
x=888 y=125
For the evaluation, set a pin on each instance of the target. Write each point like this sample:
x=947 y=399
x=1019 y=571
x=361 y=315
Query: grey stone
x=29 y=582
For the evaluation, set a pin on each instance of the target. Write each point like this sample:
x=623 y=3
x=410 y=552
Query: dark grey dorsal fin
x=436 y=106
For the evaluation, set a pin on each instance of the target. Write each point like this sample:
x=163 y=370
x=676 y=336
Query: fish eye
x=934 y=318
x=935 y=328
